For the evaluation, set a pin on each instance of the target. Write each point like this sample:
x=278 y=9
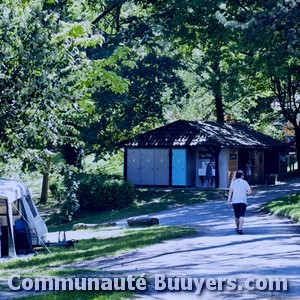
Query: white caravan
x=21 y=226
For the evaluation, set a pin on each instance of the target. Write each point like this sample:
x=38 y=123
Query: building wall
x=162 y=167
x=150 y=166
x=272 y=161
x=257 y=161
x=282 y=162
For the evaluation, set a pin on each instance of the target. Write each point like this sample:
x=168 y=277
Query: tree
x=150 y=68
x=245 y=52
x=269 y=38
x=46 y=79
x=204 y=43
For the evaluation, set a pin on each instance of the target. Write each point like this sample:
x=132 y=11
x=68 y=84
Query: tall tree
x=198 y=35
x=269 y=38
x=150 y=69
x=46 y=79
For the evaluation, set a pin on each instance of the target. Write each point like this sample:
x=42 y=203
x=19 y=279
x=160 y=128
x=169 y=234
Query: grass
x=288 y=207
x=90 y=249
x=149 y=201
x=46 y=264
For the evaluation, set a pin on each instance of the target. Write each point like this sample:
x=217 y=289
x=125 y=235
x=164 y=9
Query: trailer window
x=32 y=208
x=3 y=208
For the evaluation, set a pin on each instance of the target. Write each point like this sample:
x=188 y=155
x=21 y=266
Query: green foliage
x=47 y=79
x=203 y=44
x=103 y=192
x=56 y=190
x=112 y=164
x=36 y=79
x=78 y=76
x=69 y=203
x=132 y=52
x=268 y=37
x=139 y=108
x=234 y=50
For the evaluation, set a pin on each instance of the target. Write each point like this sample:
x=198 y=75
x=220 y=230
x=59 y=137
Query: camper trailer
x=21 y=226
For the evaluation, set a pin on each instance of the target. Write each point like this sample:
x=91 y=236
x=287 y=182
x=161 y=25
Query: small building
x=177 y=154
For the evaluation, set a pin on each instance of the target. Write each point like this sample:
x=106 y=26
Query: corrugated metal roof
x=196 y=133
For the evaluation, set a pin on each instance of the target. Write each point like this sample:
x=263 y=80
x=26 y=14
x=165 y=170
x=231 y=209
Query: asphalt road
x=269 y=248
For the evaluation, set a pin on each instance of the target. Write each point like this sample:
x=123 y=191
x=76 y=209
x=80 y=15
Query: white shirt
x=239 y=189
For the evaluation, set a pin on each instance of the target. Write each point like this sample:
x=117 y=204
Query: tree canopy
x=77 y=77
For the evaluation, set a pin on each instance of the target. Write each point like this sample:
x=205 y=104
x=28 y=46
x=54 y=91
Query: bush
x=104 y=192
x=56 y=189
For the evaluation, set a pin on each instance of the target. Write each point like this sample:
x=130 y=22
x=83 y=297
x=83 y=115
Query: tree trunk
x=219 y=107
x=217 y=92
x=45 y=184
x=297 y=138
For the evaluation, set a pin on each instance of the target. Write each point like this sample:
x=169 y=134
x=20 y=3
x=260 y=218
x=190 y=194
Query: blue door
x=179 y=167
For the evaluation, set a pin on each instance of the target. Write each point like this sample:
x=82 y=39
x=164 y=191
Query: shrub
x=104 y=192
x=64 y=191
x=56 y=189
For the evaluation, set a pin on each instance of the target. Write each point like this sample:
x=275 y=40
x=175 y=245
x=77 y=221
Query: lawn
x=61 y=262
x=90 y=249
x=288 y=207
x=149 y=201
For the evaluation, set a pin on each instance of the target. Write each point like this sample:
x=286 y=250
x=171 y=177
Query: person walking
x=237 y=197
x=248 y=171
x=209 y=172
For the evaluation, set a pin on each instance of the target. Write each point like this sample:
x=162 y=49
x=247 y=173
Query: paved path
x=270 y=247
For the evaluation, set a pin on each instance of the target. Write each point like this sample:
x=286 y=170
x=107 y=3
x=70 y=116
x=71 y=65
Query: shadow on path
x=269 y=247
